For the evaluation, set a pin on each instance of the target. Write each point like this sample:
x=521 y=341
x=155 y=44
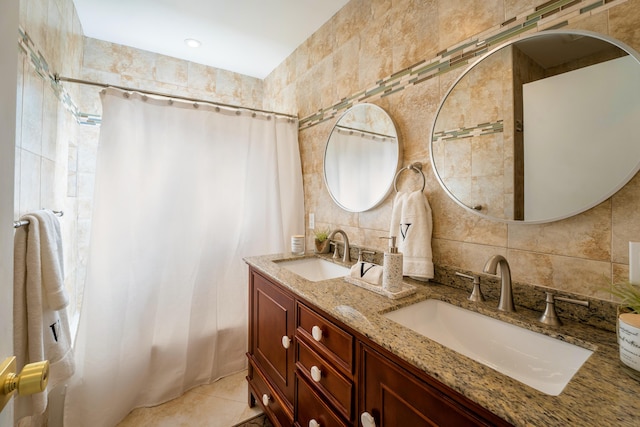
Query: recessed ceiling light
x=192 y=42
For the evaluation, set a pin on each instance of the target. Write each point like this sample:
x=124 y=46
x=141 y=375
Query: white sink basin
x=542 y=362
x=315 y=269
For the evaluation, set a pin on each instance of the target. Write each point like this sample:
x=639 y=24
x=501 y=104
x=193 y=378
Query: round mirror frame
x=382 y=193
x=477 y=209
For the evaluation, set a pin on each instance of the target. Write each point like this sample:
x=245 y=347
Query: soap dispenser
x=392 y=267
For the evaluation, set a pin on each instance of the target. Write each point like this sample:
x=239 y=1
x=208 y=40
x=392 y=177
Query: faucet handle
x=336 y=255
x=364 y=252
x=476 y=294
x=549 y=317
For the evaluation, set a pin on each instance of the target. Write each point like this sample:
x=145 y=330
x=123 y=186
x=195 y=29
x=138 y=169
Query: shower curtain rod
x=18 y=224
x=59 y=79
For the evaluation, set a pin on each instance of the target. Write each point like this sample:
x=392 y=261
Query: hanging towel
x=412 y=224
x=41 y=326
x=369 y=272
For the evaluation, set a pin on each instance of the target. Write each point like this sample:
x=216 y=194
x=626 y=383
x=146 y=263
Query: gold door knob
x=33 y=379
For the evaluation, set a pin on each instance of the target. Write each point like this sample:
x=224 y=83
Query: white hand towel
x=370 y=273
x=412 y=224
x=41 y=326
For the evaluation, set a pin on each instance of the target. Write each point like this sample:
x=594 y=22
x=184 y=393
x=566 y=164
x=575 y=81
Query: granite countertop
x=599 y=394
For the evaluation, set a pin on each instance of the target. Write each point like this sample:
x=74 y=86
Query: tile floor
x=221 y=404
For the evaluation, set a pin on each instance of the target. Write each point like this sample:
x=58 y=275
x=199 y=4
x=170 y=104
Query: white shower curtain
x=182 y=195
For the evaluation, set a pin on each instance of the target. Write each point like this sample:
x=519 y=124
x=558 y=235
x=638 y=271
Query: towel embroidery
x=362 y=269
x=55 y=327
x=405 y=231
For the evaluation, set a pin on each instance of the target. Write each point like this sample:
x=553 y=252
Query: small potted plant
x=322 y=241
x=628 y=326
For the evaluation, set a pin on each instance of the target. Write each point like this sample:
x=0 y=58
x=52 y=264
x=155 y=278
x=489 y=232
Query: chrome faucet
x=506 y=294
x=345 y=258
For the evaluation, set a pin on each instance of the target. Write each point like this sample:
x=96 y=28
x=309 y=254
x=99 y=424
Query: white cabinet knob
x=314 y=423
x=286 y=341
x=367 y=420
x=265 y=400
x=316 y=332
x=316 y=374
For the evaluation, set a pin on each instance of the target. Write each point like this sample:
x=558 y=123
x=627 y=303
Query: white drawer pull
x=367 y=420
x=316 y=332
x=265 y=400
x=316 y=374
x=286 y=341
x=314 y=423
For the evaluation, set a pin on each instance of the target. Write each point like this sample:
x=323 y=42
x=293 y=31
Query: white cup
x=629 y=341
x=297 y=244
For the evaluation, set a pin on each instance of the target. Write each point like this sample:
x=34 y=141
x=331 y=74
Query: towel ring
x=416 y=167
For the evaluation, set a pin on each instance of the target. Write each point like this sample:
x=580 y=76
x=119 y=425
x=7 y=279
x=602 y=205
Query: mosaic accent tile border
x=41 y=67
x=468 y=132
x=445 y=61
x=464 y=53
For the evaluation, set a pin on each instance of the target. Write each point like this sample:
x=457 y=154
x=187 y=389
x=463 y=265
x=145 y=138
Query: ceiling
x=249 y=37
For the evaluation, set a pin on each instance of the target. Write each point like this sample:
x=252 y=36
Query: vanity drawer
x=331 y=383
x=270 y=401
x=310 y=406
x=325 y=338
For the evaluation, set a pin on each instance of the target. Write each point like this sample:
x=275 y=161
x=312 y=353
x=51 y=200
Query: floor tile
x=220 y=404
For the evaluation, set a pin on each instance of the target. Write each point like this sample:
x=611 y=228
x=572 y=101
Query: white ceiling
x=250 y=37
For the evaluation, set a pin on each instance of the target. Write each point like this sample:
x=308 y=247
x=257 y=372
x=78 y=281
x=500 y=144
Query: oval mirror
x=541 y=128
x=361 y=158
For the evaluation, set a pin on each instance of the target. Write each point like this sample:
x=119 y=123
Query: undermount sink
x=314 y=269
x=542 y=362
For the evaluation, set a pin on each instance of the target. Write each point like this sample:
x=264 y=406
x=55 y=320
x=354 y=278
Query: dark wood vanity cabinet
x=329 y=375
x=271 y=349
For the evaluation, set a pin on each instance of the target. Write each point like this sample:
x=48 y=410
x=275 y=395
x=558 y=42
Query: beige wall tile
x=575 y=275
x=585 y=236
x=623 y=23
x=32 y=104
x=625 y=219
x=415 y=22
x=459 y=20
x=29 y=180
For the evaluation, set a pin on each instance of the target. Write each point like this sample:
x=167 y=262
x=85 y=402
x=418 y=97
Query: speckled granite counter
x=600 y=394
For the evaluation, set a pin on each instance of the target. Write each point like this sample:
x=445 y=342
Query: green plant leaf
x=628 y=293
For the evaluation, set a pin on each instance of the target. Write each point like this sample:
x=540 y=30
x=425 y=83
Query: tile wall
x=403 y=55
x=47 y=135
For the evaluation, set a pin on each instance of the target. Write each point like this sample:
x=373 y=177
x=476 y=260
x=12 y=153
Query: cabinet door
x=272 y=328
x=270 y=401
x=394 y=397
x=312 y=409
